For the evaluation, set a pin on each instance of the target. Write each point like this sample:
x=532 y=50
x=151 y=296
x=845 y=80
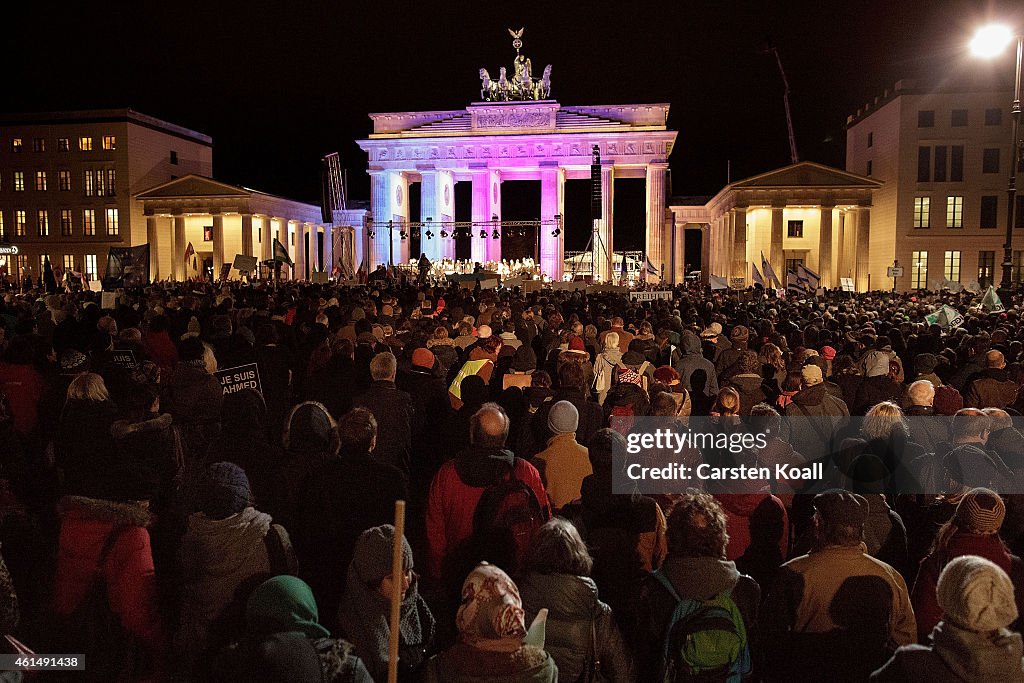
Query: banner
x=719 y=282
x=650 y=296
x=128 y=266
x=244 y=264
x=847 y=284
x=238 y=378
x=758 y=279
x=123 y=357
x=991 y=302
x=945 y=317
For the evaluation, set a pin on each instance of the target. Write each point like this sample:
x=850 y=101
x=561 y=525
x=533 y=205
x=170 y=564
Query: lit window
x=109 y=142
x=89 y=184
x=85 y=144
x=986 y=267
x=954 y=212
x=951 y=266
x=110 y=182
x=16 y=145
x=793 y=264
x=19 y=181
x=38 y=145
x=22 y=263
x=922 y=212
x=919 y=270
x=69 y=263
x=112 y=228
x=207 y=233
x=796 y=229
x=90 y=267
x=89 y=222
x=43 y=260
x=3 y=231
x=41 y=181
x=20 y=222
x=65 y=222
x=101 y=184
x=43 y=223
x=64 y=180
x=63 y=145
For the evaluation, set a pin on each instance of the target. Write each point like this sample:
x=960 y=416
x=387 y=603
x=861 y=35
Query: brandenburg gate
x=514 y=132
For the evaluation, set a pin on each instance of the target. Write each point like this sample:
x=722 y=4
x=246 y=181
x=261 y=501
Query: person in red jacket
x=459 y=484
x=127 y=571
x=22 y=383
x=974 y=530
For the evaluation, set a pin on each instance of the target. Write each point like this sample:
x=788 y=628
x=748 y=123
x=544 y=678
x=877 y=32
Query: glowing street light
x=989 y=42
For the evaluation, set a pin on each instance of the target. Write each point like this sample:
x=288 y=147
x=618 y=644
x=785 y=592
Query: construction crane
x=793 y=156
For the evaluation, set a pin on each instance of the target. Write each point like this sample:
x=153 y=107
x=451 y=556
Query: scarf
x=491 y=615
x=284 y=604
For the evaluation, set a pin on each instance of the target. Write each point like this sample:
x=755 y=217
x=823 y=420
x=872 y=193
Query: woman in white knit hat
x=972 y=642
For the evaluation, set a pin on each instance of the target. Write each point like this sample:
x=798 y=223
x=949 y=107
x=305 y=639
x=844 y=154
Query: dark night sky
x=278 y=84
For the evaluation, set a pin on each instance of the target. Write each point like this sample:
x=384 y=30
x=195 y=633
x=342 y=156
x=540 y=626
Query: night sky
x=279 y=84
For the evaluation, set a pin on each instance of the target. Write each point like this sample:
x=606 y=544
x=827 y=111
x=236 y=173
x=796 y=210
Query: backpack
x=605 y=374
x=705 y=639
x=509 y=512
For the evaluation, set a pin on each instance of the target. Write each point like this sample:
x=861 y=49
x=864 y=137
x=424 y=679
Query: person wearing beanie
x=364 y=615
x=924 y=368
x=564 y=463
x=829 y=591
x=821 y=414
x=424 y=382
x=727 y=363
x=747 y=381
x=973 y=642
x=228 y=543
x=973 y=530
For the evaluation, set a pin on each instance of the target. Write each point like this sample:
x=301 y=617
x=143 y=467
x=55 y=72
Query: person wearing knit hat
x=564 y=463
x=973 y=641
x=228 y=542
x=810 y=375
x=423 y=358
x=739 y=334
x=73 y=362
x=366 y=605
x=524 y=363
x=831 y=588
x=924 y=367
x=973 y=530
x=193 y=329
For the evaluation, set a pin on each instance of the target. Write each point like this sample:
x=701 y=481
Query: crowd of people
x=172 y=529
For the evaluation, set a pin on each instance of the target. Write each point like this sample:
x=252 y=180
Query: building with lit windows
x=67 y=180
x=942 y=157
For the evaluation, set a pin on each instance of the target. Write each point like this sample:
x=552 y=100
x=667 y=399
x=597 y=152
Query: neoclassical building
x=222 y=220
x=805 y=213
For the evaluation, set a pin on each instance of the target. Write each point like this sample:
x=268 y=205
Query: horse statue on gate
x=542 y=88
x=521 y=86
x=487 y=86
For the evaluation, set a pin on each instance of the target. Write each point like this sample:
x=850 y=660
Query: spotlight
x=556 y=232
x=483 y=234
x=403 y=234
x=496 y=235
x=371 y=233
x=430 y=235
x=443 y=233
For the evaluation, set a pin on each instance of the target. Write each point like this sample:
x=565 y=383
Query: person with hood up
x=229 y=545
x=493 y=644
x=693 y=361
x=460 y=483
x=581 y=634
x=973 y=641
x=695 y=569
x=284 y=641
x=973 y=530
x=364 y=615
x=564 y=463
x=524 y=362
x=747 y=380
x=310 y=439
x=194 y=397
x=757 y=527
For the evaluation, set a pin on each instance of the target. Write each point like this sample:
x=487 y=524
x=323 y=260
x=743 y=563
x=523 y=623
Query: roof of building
x=103 y=116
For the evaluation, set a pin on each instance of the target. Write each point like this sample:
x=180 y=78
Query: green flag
x=990 y=302
x=280 y=253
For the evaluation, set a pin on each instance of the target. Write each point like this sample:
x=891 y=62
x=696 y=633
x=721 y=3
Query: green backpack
x=705 y=640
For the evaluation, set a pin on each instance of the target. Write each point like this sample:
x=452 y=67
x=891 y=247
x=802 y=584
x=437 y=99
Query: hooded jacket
x=694 y=360
x=749 y=388
x=957 y=655
x=456 y=489
x=577 y=623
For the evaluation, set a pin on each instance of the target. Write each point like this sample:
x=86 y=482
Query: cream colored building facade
x=943 y=159
x=221 y=220
x=67 y=181
x=806 y=213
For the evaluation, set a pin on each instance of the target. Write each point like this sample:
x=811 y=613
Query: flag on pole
x=49 y=281
x=651 y=270
x=189 y=252
x=622 y=270
x=945 y=317
x=281 y=254
x=758 y=280
x=809 y=278
x=769 y=272
x=719 y=282
x=991 y=302
x=794 y=285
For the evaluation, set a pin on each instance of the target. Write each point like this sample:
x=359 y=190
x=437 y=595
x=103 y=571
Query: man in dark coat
x=346 y=495
x=394 y=411
x=430 y=400
x=747 y=381
x=822 y=416
x=992 y=388
x=693 y=360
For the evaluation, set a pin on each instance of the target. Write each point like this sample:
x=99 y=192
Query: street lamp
x=989 y=42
